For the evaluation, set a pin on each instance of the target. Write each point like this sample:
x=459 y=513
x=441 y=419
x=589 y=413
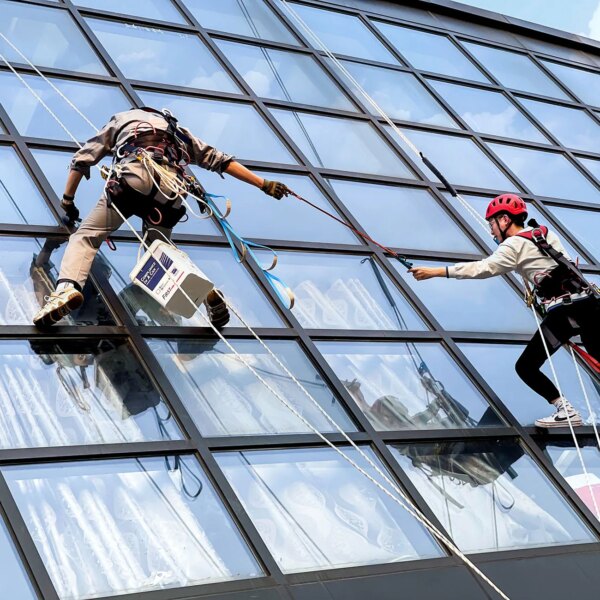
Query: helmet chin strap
x=502 y=231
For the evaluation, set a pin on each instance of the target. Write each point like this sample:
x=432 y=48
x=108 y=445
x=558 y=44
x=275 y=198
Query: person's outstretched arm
x=272 y=188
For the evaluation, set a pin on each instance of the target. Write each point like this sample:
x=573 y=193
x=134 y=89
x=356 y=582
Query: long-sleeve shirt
x=513 y=254
x=122 y=126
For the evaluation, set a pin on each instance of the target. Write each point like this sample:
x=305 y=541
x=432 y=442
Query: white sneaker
x=58 y=305
x=564 y=413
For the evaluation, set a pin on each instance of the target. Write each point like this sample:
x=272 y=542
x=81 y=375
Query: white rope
x=407 y=504
x=320 y=44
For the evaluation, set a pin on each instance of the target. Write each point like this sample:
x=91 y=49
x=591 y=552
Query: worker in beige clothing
x=136 y=189
x=571 y=303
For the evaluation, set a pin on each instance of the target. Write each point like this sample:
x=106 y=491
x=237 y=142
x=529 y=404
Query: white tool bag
x=167 y=274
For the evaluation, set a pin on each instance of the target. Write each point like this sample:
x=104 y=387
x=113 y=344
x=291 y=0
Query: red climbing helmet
x=506 y=203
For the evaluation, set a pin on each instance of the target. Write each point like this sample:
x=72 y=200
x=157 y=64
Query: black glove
x=71 y=211
x=275 y=188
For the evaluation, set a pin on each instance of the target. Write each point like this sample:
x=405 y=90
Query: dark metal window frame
x=126 y=327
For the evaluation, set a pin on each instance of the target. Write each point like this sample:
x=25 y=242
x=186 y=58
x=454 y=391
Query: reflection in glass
x=344 y=144
x=515 y=71
x=342 y=33
x=466 y=304
x=69 y=393
x=123 y=526
x=29 y=273
x=564 y=457
x=572 y=127
x=252 y=18
x=316 y=511
x=47 y=37
x=225 y=398
x=430 y=52
x=488 y=112
x=583 y=224
x=592 y=165
x=220 y=123
x=408 y=385
x=20 y=200
x=284 y=75
x=218 y=264
x=408 y=213
x=344 y=292
x=496 y=362
x=547 y=173
x=160 y=10
x=585 y=84
x=490 y=495
x=479 y=203
x=15 y=582
x=400 y=94
x=97 y=102
x=458 y=158
x=165 y=57
x=289 y=219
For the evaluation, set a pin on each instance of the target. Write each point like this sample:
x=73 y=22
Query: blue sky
x=577 y=16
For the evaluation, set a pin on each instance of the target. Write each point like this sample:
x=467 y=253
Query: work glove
x=71 y=211
x=275 y=188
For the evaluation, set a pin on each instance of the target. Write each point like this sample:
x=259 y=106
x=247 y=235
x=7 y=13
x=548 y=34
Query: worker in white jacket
x=571 y=303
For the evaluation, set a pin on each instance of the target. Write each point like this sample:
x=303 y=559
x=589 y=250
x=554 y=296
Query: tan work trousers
x=86 y=241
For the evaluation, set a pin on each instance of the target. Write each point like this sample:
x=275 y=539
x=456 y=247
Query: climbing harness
x=394 y=491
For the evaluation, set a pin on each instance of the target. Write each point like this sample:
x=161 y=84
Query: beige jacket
x=121 y=127
x=513 y=254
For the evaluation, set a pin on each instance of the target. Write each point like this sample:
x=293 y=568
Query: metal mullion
x=47 y=3
x=373 y=335
x=24 y=230
x=70 y=454
x=27 y=548
x=562 y=434
x=9 y=332
x=168 y=332
x=282 y=441
x=225 y=36
x=104 y=15
x=55 y=73
x=469 y=336
x=535 y=552
x=447 y=435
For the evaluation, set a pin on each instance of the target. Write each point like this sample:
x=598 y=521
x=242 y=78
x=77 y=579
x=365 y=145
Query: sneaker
x=58 y=305
x=216 y=308
x=564 y=413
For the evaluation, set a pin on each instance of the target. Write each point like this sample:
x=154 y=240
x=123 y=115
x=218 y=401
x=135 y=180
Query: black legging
x=563 y=322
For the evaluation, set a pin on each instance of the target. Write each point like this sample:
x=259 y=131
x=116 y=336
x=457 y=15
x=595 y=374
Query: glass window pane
x=344 y=144
x=220 y=123
x=316 y=511
x=572 y=127
x=344 y=292
x=458 y=158
x=15 y=582
x=288 y=219
x=547 y=173
x=70 y=393
x=466 y=304
x=341 y=33
x=496 y=362
x=583 y=224
x=123 y=526
x=515 y=71
x=479 y=203
x=20 y=200
x=564 y=457
x=252 y=18
x=284 y=75
x=585 y=84
x=225 y=398
x=490 y=495
x=217 y=263
x=408 y=213
x=29 y=272
x=160 y=10
x=48 y=37
x=593 y=166
x=399 y=94
x=489 y=112
x=408 y=386
x=97 y=102
x=430 y=52
x=165 y=57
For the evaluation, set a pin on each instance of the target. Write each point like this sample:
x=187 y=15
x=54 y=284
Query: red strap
x=528 y=235
x=588 y=358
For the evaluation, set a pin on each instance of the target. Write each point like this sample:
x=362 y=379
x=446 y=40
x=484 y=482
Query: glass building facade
x=140 y=458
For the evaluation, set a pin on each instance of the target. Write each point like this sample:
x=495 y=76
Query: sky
x=576 y=16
